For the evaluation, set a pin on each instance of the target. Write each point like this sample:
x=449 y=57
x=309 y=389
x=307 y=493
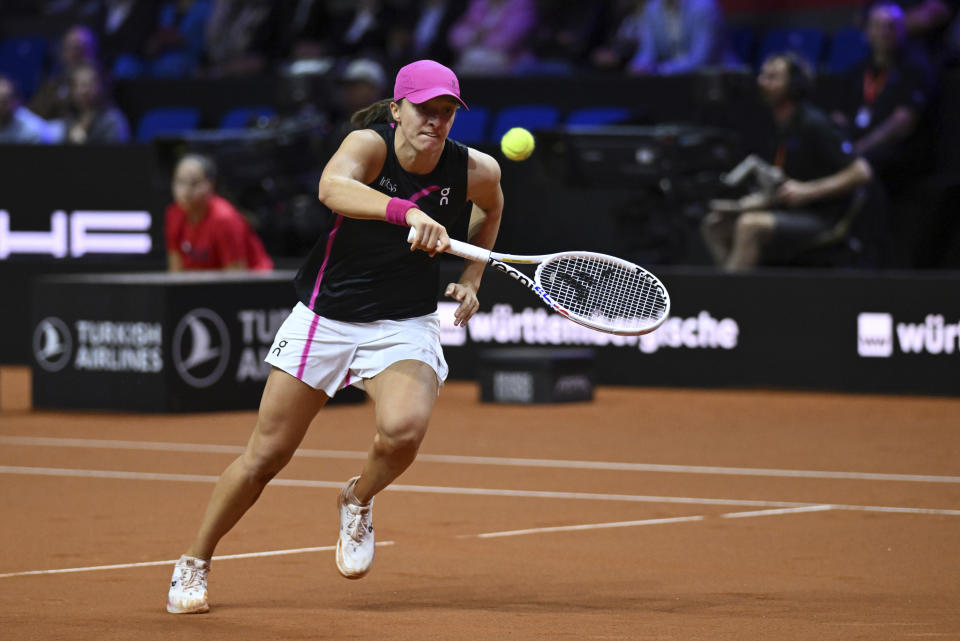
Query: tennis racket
x=601 y=292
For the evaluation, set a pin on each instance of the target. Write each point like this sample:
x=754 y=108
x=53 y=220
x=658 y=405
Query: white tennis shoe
x=188 y=587
x=356 y=544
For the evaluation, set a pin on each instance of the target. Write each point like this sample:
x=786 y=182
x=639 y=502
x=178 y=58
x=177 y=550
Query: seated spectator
x=680 y=36
x=77 y=47
x=925 y=22
x=820 y=174
x=566 y=34
x=888 y=98
x=202 y=229
x=240 y=36
x=421 y=31
x=614 y=53
x=124 y=28
x=176 y=47
x=492 y=36
x=362 y=83
x=92 y=118
x=17 y=123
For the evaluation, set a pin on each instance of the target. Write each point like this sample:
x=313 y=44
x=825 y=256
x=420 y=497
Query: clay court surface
x=647 y=514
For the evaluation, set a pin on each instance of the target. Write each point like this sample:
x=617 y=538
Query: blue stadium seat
x=22 y=58
x=597 y=116
x=743 y=44
x=470 y=125
x=245 y=117
x=166 y=120
x=806 y=42
x=528 y=116
x=848 y=47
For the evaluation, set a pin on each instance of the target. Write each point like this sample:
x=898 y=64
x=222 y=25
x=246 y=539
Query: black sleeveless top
x=363 y=270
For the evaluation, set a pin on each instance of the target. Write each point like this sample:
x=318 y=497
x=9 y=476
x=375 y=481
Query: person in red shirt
x=203 y=230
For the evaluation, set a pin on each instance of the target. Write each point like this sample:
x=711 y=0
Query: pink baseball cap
x=425 y=79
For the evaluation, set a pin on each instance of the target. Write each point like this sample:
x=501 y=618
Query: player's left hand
x=467 y=298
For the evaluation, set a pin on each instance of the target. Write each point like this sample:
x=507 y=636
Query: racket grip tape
x=458 y=248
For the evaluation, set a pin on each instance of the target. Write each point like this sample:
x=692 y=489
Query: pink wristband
x=397 y=210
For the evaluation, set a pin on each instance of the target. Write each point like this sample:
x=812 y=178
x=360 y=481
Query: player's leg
x=749 y=235
x=404 y=395
x=286 y=409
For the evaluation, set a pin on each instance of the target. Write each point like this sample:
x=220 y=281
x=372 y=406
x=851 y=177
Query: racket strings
x=604 y=292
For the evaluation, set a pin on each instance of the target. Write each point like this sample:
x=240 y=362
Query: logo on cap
x=201 y=347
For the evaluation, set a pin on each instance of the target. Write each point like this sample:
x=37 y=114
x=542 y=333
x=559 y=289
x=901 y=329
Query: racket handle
x=459 y=248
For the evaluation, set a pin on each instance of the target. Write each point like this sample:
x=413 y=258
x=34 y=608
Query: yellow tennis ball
x=517 y=144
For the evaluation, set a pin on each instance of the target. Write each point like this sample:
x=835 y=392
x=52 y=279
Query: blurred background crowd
x=877 y=75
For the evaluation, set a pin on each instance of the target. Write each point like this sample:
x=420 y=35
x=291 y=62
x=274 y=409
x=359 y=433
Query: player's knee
x=263 y=464
x=402 y=433
x=264 y=458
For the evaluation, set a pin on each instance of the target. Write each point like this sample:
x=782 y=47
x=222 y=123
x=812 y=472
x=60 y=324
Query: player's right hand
x=431 y=236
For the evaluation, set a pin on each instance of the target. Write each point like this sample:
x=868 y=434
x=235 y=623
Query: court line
x=792 y=510
x=586 y=526
x=484 y=535
x=144 y=564
x=616 y=524
x=161 y=446
x=471 y=491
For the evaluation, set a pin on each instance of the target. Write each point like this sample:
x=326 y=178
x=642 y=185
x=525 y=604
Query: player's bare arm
x=483 y=188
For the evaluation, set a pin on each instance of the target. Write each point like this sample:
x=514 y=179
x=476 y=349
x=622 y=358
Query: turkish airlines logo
x=201 y=347
x=52 y=344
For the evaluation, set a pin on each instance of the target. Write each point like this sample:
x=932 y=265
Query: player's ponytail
x=376 y=114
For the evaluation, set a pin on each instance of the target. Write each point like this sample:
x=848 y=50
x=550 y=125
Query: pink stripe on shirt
x=313 y=297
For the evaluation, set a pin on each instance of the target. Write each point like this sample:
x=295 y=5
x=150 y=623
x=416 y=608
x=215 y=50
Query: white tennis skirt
x=329 y=354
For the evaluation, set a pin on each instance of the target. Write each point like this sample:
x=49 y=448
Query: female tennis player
x=367 y=312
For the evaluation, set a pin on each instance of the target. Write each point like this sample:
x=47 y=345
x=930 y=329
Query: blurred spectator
x=176 y=47
x=888 y=98
x=361 y=28
x=492 y=36
x=124 y=28
x=362 y=83
x=925 y=21
x=202 y=229
x=820 y=172
x=92 y=118
x=77 y=47
x=567 y=32
x=679 y=36
x=625 y=39
x=17 y=123
x=304 y=34
x=241 y=36
x=422 y=31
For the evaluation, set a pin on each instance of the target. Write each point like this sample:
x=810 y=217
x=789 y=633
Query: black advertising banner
x=68 y=209
x=196 y=342
x=155 y=342
x=817 y=330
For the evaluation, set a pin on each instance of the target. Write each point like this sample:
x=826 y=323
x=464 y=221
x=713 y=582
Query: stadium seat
x=528 y=116
x=743 y=44
x=470 y=125
x=806 y=42
x=166 y=120
x=245 y=117
x=848 y=47
x=22 y=58
x=597 y=116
